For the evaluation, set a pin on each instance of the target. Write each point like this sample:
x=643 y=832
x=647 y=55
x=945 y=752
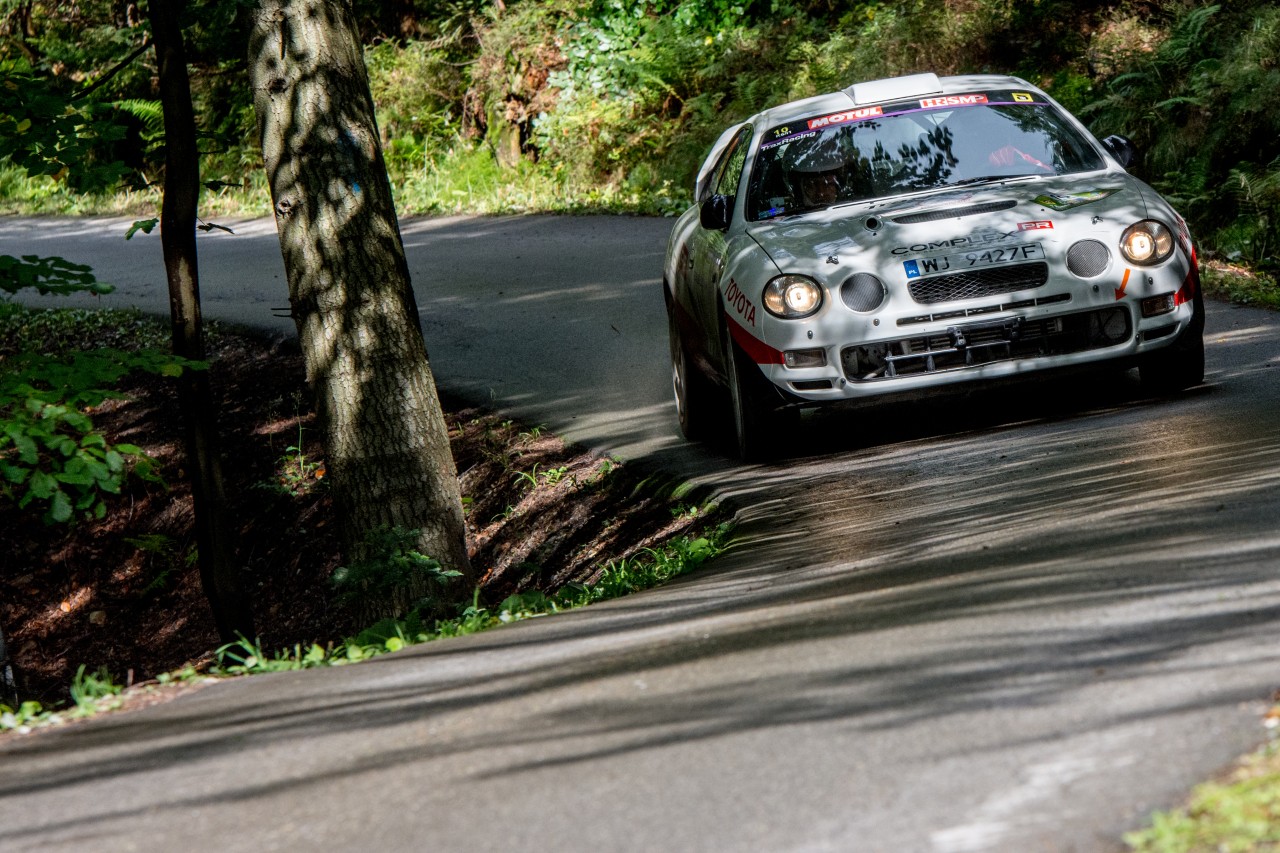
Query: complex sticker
x=1066 y=201
x=978 y=238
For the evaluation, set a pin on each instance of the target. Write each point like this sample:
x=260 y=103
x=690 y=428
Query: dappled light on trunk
x=385 y=438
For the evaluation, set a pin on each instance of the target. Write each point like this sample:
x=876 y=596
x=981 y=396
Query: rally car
x=911 y=233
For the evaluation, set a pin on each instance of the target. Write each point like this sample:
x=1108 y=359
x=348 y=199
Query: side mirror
x=1121 y=148
x=715 y=213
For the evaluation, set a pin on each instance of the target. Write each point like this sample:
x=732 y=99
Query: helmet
x=814 y=169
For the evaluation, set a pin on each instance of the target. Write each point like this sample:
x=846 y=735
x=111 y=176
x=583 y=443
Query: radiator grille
x=972 y=344
x=974 y=283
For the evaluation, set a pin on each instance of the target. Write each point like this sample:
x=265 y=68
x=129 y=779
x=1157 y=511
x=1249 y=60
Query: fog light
x=805 y=358
x=1154 y=306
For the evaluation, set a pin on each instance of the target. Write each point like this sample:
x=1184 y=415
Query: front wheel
x=1180 y=365
x=694 y=393
x=759 y=424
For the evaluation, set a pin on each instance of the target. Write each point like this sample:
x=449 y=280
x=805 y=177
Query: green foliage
x=48 y=133
x=1242 y=286
x=52 y=459
x=1197 y=104
x=245 y=657
x=165 y=559
x=419 y=88
x=91 y=693
x=611 y=104
x=22 y=718
x=73 y=329
x=389 y=567
x=88 y=689
x=297 y=473
x=48 y=276
x=1238 y=815
x=51 y=456
x=651 y=567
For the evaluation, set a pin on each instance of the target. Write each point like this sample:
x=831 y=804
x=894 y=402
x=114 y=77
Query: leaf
x=60 y=509
x=42 y=485
x=143 y=225
x=209 y=226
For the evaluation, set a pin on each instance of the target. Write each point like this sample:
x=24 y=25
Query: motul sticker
x=953 y=101
x=846 y=116
x=1035 y=226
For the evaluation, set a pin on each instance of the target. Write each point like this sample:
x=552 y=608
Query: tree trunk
x=219 y=573
x=8 y=686
x=386 y=444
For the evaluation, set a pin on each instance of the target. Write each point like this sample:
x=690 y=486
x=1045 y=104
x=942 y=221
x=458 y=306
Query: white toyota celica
x=912 y=233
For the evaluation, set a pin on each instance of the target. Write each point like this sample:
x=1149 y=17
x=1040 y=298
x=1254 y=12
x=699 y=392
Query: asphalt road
x=1014 y=621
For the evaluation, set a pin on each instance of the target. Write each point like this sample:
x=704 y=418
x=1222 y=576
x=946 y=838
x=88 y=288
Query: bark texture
x=219 y=572
x=386 y=443
x=8 y=685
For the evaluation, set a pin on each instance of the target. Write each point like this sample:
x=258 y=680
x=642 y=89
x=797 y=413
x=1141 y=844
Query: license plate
x=977 y=258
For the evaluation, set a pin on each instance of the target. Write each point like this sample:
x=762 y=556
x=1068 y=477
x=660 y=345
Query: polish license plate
x=970 y=260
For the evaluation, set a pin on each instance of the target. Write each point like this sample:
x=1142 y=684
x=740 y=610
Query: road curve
x=1009 y=621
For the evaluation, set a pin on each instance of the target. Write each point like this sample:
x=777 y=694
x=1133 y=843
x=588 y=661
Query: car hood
x=955 y=219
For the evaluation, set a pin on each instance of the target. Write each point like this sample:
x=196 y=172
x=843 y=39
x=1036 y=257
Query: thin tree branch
x=138 y=51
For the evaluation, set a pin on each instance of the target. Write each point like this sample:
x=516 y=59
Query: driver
x=816 y=172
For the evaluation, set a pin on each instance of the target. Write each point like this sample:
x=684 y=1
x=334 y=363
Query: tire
x=694 y=393
x=759 y=426
x=1180 y=365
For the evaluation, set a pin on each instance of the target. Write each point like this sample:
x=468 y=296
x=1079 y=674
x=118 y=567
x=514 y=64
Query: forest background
x=610 y=105
x=516 y=106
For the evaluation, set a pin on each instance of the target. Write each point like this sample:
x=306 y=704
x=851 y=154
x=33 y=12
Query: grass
x=460 y=179
x=91 y=693
x=652 y=567
x=96 y=692
x=1240 y=284
x=1239 y=814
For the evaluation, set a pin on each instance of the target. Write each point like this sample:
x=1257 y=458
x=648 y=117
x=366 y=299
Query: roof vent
x=895 y=88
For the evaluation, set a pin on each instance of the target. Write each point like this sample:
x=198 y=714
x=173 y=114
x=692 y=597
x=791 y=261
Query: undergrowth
x=96 y=692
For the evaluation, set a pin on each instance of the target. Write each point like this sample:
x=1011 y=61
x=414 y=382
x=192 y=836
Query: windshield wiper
x=988 y=179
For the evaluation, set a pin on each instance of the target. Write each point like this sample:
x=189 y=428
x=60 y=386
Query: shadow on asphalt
x=1139 y=535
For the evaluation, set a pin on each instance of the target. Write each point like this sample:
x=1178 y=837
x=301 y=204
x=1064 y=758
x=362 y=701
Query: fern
x=149 y=113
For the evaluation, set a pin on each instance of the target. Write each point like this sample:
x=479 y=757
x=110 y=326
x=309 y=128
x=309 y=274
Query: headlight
x=792 y=297
x=1147 y=242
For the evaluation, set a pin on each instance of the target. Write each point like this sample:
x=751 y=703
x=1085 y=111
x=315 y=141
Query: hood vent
x=953 y=212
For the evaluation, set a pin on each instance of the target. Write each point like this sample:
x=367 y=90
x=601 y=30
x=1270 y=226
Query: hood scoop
x=953 y=212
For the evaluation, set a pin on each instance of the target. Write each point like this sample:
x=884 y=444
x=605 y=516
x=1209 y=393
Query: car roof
x=884 y=91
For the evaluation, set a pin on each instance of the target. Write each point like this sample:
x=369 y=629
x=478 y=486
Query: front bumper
x=980 y=342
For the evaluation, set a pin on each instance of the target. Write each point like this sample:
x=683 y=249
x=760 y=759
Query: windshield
x=873 y=152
